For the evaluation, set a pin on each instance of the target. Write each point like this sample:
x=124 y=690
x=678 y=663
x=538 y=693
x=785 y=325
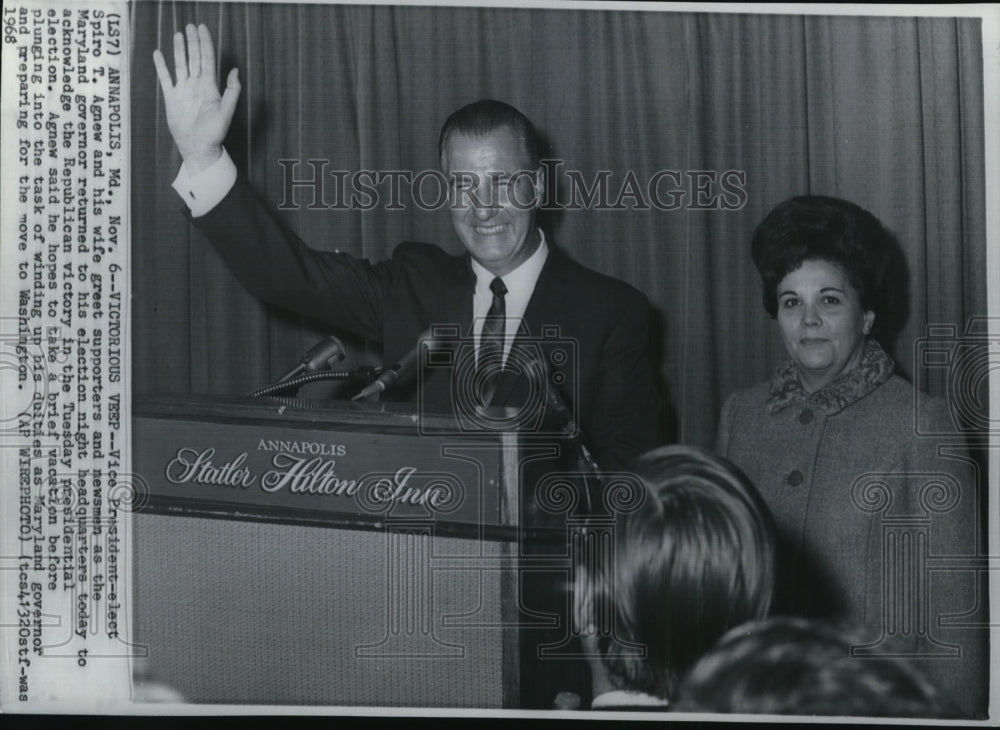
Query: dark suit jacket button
x=794 y=478
x=806 y=416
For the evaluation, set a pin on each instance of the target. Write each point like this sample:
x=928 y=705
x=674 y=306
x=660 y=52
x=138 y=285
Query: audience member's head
x=694 y=560
x=801 y=667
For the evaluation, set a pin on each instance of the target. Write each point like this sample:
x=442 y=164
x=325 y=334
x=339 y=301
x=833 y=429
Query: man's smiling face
x=494 y=198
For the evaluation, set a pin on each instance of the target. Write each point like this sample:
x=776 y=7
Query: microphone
x=321 y=356
x=391 y=374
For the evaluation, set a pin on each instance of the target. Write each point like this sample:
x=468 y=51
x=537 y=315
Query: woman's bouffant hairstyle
x=694 y=560
x=796 y=666
x=816 y=227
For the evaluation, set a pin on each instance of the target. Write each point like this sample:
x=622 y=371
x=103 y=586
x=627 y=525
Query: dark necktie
x=491 y=341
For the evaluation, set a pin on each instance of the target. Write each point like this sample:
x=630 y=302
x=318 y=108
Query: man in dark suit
x=511 y=299
x=511 y=284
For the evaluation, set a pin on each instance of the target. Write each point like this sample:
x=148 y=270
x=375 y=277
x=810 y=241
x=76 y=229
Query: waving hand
x=197 y=115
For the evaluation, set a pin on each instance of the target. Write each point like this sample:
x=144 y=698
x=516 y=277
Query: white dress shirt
x=627 y=698
x=204 y=191
x=520 y=285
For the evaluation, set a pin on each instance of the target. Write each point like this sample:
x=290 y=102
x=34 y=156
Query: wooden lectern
x=350 y=555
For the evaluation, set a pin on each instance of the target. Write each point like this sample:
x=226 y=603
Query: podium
x=353 y=555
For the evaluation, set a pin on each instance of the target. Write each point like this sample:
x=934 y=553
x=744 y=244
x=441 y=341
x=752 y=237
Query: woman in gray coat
x=862 y=502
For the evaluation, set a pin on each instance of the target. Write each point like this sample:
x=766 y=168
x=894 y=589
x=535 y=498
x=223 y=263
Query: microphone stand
x=293 y=384
x=314 y=366
x=589 y=470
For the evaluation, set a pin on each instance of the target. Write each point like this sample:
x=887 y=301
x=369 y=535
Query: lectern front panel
x=263 y=613
x=327 y=557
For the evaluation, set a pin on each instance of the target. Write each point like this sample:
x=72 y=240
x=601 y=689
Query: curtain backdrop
x=886 y=112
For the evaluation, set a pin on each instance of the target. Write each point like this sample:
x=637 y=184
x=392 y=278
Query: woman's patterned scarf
x=874 y=369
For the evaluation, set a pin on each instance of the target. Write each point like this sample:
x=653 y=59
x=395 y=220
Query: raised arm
x=197 y=115
x=267 y=257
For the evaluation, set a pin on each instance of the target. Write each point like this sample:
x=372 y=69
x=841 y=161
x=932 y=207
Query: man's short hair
x=796 y=666
x=485 y=116
x=696 y=559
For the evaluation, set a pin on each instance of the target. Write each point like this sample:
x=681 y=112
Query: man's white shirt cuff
x=204 y=191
